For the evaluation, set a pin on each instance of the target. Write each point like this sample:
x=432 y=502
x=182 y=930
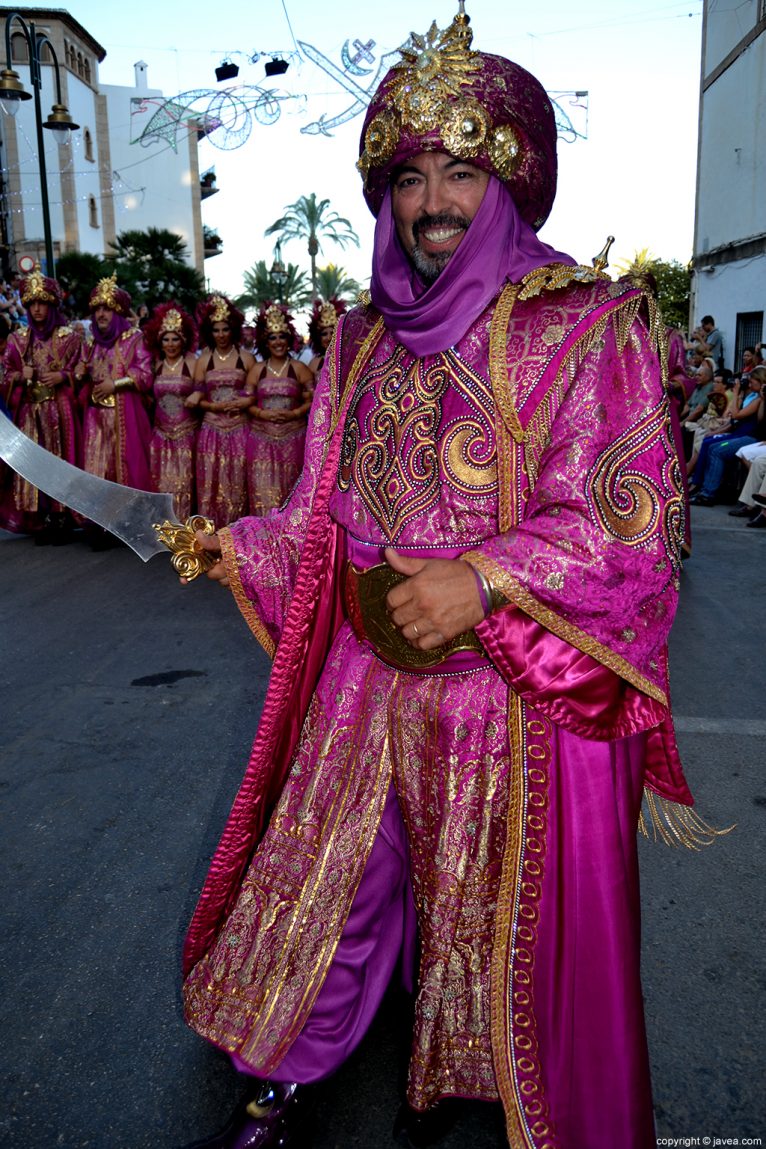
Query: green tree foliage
x=332 y=282
x=79 y=272
x=314 y=222
x=670 y=280
x=261 y=286
x=673 y=291
x=151 y=265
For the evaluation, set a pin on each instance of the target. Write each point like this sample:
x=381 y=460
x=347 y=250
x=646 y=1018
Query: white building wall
x=155 y=186
x=726 y=25
x=730 y=223
x=86 y=172
x=731 y=289
x=732 y=171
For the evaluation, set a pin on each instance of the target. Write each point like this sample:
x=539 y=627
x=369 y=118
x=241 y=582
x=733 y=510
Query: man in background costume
x=38 y=367
x=115 y=379
x=467 y=599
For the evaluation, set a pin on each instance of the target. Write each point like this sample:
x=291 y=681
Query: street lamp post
x=278 y=271
x=12 y=92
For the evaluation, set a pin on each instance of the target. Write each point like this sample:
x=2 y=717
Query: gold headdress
x=37 y=287
x=106 y=293
x=172 y=321
x=276 y=321
x=328 y=316
x=219 y=309
x=481 y=108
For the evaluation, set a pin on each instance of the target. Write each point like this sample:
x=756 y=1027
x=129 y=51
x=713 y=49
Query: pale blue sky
x=633 y=177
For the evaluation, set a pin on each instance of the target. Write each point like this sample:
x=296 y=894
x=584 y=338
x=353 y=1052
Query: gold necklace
x=228 y=355
x=282 y=370
x=174 y=367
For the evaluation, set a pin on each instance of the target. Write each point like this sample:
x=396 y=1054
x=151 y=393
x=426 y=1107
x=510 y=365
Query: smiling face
x=277 y=342
x=171 y=344
x=434 y=198
x=222 y=335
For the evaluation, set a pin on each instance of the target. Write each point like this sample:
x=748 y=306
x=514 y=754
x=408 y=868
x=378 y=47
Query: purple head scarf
x=499 y=246
x=53 y=319
x=118 y=325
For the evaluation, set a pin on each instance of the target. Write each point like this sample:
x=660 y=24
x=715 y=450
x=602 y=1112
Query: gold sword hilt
x=189 y=559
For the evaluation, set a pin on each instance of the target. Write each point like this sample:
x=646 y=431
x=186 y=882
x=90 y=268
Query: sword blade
x=123 y=511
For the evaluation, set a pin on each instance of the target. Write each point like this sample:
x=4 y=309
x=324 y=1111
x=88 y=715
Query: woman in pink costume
x=280 y=386
x=38 y=366
x=220 y=377
x=324 y=320
x=171 y=336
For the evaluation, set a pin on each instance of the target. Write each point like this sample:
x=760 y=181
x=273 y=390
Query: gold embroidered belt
x=365 y=599
x=40 y=393
x=106 y=401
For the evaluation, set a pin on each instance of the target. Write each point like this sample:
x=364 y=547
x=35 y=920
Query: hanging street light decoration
x=228 y=116
x=226 y=71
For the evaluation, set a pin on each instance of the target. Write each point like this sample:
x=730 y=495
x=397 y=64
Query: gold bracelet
x=123 y=384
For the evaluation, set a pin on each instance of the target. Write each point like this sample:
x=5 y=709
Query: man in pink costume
x=467 y=599
x=114 y=378
x=38 y=368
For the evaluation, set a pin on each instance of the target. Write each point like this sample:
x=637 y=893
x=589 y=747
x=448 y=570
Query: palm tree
x=261 y=286
x=151 y=265
x=333 y=283
x=312 y=221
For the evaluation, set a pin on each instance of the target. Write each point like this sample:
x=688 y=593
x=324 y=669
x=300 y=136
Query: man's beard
x=430 y=267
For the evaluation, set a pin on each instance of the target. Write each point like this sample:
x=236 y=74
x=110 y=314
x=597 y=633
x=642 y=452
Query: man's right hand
x=212 y=545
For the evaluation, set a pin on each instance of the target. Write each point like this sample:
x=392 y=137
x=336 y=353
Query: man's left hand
x=437 y=601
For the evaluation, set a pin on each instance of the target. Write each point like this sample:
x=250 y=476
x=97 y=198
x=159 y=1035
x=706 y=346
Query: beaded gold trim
x=248 y=611
x=514 y=1028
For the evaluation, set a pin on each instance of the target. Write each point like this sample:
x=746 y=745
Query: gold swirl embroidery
x=626 y=502
x=398 y=446
x=462 y=455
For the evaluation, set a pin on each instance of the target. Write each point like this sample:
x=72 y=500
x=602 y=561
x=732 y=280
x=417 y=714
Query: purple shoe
x=277 y=1118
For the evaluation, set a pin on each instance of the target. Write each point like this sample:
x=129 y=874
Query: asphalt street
x=128 y=710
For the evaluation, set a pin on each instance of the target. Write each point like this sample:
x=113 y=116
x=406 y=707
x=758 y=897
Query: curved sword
x=145 y=520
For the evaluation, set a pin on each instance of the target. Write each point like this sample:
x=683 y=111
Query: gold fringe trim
x=676 y=825
x=249 y=613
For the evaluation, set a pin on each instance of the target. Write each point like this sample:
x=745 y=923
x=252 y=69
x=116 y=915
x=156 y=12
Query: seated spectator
x=696 y=405
x=748 y=456
x=745 y=415
x=714 y=420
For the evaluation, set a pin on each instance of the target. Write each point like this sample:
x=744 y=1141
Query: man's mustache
x=426 y=222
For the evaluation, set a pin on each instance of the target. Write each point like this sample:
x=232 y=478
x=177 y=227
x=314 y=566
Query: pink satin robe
x=54 y=423
x=116 y=439
x=520 y=781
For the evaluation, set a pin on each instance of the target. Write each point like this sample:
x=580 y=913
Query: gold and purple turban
x=484 y=109
x=40 y=288
x=106 y=293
